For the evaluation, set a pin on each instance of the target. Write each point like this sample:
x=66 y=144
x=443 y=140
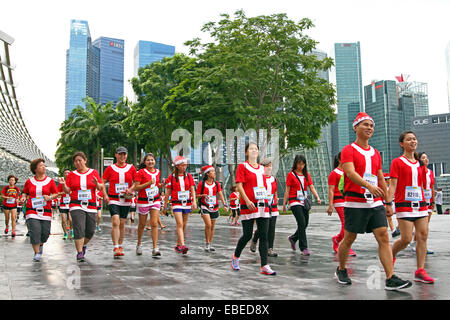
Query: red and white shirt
x=13 y=192
x=149 y=196
x=37 y=207
x=255 y=187
x=296 y=196
x=333 y=180
x=428 y=187
x=65 y=198
x=234 y=204
x=180 y=190
x=410 y=179
x=367 y=163
x=209 y=203
x=83 y=190
x=120 y=179
x=272 y=196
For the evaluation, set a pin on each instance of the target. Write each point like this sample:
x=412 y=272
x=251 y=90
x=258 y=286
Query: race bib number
x=183 y=195
x=260 y=193
x=428 y=193
x=371 y=178
x=10 y=201
x=270 y=198
x=152 y=192
x=38 y=202
x=121 y=187
x=211 y=200
x=301 y=196
x=413 y=194
x=66 y=200
x=84 y=195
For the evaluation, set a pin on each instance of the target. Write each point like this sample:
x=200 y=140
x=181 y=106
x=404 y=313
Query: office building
x=147 y=52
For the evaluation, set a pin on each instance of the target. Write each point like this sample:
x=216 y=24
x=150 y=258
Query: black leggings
x=271 y=232
x=247 y=226
x=302 y=218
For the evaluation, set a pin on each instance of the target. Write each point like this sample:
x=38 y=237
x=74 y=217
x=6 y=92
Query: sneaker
x=179 y=249
x=306 y=252
x=292 y=242
x=211 y=248
x=395 y=283
x=37 y=257
x=99 y=229
x=238 y=224
x=80 y=257
x=139 y=250
x=84 y=250
x=65 y=236
x=335 y=244
x=396 y=232
x=232 y=224
x=428 y=251
x=121 y=251
x=412 y=246
x=272 y=253
x=207 y=247
x=342 y=276
x=268 y=271
x=41 y=249
x=234 y=263
x=393 y=260
x=421 y=275
x=252 y=246
x=6 y=230
x=156 y=253
x=116 y=253
x=13 y=234
x=184 y=249
x=351 y=253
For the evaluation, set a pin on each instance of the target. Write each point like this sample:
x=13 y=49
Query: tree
x=257 y=73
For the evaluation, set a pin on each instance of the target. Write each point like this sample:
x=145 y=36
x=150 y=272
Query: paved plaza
x=201 y=275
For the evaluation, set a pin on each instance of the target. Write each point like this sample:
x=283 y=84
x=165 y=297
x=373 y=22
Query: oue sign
x=421 y=122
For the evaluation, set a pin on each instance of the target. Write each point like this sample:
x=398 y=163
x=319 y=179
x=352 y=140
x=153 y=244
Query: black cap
x=121 y=150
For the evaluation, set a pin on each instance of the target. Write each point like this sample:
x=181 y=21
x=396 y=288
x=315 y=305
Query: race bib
x=270 y=198
x=371 y=178
x=260 y=193
x=121 y=187
x=413 y=194
x=84 y=195
x=183 y=195
x=10 y=201
x=428 y=193
x=211 y=200
x=301 y=196
x=38 y=202
x=152 y=192
x=66 y=200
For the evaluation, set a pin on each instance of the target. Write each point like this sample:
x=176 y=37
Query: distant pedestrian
x=438 y=200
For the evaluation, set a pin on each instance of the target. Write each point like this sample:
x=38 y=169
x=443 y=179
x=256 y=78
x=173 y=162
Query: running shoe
x=184 y=249
x=335 y=244
x=121 y=251
x=234 y=263
x=139 y=250
x=207 y=247
x=252 y=246
x=232 y=223
x=272 y=253
x=430 y=251
x=13 y=234
x=99 y=229
x=238 y=224
x=412 y=246
x=351 y=253
x=342 y=276
x=393 y=260
x=65 y=236
x=179 y=249
x=292 y=242
x=37 y=257
x=211 y=248
x=395 y=283
x=6 y=230
x=421 y=275
x=268 y=271
x=80 y=257
x=84 y=250
x=116 y=253
x=156 y=253
x=396 y=232
x=306 y=252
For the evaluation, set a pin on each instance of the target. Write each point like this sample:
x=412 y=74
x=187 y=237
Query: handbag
x=306 y=202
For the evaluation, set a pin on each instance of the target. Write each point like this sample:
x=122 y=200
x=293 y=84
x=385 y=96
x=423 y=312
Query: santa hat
x=207 y=169
x=386 y=176
x=179 y=160
x=361 y=117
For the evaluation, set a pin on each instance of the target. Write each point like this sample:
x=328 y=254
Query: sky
x=401 y=36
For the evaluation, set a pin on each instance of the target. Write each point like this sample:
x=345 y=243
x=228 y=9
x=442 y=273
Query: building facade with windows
x=147 y=52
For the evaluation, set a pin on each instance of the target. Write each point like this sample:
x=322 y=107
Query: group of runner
x=357 y=191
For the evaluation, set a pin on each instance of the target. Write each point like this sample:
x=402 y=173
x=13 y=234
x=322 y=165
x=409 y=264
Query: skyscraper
x=349 y=89
x=147 y=52
x=382 y=105
x=111 y=68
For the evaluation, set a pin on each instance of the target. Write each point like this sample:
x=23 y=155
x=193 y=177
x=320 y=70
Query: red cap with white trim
x=361 y=117
x=179 y=160
x=207 y=169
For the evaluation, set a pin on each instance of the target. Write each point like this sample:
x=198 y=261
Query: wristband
x=388 y=203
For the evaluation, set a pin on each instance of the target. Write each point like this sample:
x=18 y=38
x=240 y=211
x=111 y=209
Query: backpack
x=341 y=184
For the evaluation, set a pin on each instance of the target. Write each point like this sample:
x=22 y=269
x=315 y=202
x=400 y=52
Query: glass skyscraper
x=111 y=67
x=349 y=89
x=147 y=52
